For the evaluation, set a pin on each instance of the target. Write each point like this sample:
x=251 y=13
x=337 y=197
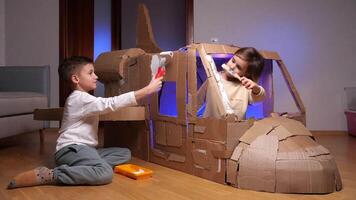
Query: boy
x=239 y=79
x=78 y=162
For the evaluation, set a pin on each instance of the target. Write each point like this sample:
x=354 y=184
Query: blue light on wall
x=102 y=27
x=255 y=111
x=168 y=99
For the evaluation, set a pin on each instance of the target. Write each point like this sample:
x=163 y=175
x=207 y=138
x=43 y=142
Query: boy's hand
x=155 y=85
x=249 y=84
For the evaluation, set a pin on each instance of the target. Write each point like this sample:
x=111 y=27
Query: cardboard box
x=275 y=154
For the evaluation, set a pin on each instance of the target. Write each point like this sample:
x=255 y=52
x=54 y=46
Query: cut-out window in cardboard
x=167 y=99
x=253 y=111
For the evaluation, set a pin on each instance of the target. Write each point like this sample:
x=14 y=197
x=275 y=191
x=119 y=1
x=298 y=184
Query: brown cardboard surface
x=192 y=86
x=48 y=114
x=257 y=164
x=264 y=153
x=174 y=134
x=169 y=134
x=203 y=162
x=172 y=67
x=200 y=158
x=236 y=154
x=137 y=73
x=216 y=48
x=130 y=134
x=125 y=114
x=235 y=130
x=304 y=176
x=210 y=128
x=181 y=63
x=171 y=160
x=159 y=153
x=182 y=149
x=231 y=172
x=212 y=82
x=258 y=129
x=286 y=159
x=270 y=55
x=160 y=132
x=109 y=66
x=144 y=34
x=176 y=157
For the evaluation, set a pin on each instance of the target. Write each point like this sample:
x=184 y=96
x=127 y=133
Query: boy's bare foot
x=38 y=176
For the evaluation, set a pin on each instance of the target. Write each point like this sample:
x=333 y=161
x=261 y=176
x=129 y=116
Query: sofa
x=22 y=89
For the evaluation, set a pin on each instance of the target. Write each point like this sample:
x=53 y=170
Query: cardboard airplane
x=274 y=154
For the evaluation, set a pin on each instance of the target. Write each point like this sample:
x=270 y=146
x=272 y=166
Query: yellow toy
x=133 y=171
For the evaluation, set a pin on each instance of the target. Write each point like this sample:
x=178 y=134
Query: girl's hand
x=249 y=84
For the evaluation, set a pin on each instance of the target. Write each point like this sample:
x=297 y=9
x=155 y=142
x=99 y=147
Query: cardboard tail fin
x=144 y=34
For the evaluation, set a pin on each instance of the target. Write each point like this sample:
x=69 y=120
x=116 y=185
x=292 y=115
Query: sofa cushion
x=15 y=103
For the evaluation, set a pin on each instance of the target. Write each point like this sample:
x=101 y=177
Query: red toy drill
x=158 y=63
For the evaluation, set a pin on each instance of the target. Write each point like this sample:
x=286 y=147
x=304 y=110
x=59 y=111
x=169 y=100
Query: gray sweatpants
x=84 y=165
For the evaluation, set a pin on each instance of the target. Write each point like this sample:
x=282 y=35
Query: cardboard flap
x=329 y=160
x=160 y=133
x=199 y=129
x=225 y=154
x=174 y=135
x=235 y=130
x=159 y=153
x=338 y=182
x=294 y=127
x=109 y=66
x=168 y=134
x=258 y=163
x=310 y=146
x=231 y=171
x=304 y=176
x=258 y=129
x=200 y=158
x=300 y=147
x=176 y=158
x=281 y=132
x=236 y=154
x=210 y=128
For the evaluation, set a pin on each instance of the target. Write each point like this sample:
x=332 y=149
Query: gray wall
x=2 y=32
x=316 y=39
x=167 y=18
x=32 y=36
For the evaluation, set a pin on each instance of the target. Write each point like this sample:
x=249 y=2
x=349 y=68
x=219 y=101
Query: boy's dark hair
x=69 y=65
x=254 y=59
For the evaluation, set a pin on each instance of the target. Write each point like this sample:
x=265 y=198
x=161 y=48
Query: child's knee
x=104 y=177
x=126 y=153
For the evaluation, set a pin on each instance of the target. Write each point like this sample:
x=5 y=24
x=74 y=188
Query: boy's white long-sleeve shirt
x=81 y=116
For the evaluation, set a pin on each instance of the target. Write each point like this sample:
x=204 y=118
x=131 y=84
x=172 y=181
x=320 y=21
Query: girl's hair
x=254 y=59
x=69 y=65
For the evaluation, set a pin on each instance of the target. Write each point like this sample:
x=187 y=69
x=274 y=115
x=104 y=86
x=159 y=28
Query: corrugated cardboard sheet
x=203 y=161
x=279 y=155
x=110 y=66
